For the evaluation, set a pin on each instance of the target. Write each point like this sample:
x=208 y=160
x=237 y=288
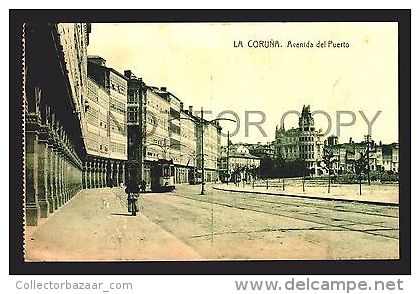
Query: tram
x=162 y=176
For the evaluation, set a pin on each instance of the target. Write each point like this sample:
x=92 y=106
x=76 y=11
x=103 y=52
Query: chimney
x=181 y=105
x=190 y=109
x=127 y=74
x=163 y=89
x=97 y=60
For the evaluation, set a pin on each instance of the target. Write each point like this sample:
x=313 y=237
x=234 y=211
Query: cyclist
x=132 y=190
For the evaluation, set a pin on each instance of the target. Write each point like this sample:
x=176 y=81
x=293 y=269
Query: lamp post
x=227 y=160
x=303 y=174
x=202 y=152
x=368 y=143
x=202 y=123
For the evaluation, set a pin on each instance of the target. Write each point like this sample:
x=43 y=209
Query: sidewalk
x=95 y=225
x=373 y=194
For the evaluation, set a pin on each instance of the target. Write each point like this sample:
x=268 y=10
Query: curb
x=310 y=197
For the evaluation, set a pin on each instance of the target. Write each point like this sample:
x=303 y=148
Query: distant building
x=262 y=150
x=287 y=143
x=238 y=163
x=302 y=143
x=382 y=157
x=390 y=157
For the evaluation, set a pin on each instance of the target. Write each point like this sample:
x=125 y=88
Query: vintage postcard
x=211 y=141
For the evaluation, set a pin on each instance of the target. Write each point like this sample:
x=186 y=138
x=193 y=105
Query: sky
x=204 y=66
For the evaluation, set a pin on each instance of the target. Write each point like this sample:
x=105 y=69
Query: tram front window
x=166 y=171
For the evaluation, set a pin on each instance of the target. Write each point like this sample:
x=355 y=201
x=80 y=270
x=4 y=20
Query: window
x=133 y=96
x=117 y=106
x=174 y=128
x=174 y=113
x=175 y=144
x=132 y=115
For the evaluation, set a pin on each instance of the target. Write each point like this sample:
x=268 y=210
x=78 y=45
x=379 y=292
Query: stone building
x=54 y=100
x=302 y=143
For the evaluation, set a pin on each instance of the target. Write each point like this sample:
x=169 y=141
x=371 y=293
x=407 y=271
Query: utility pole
x=202 y=153
x=368 y=159
x=227 y=160
x=303 y=175
x=142 y=123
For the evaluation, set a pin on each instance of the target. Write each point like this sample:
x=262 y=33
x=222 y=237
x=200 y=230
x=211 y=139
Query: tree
x=280 y=169
x=267 y=168
x=361 y=166
x=303 y=170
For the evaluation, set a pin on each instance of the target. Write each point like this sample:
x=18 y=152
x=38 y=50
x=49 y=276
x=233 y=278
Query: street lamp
x=227 y=158
x=203 y=122
x=368 y=146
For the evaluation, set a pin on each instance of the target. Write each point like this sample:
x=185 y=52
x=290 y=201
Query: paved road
x=233 y=225
x=183 y=225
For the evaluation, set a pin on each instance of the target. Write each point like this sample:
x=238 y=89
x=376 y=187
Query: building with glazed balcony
x=106 y=126
x=160 y=128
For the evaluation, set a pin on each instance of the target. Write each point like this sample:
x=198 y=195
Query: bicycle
x=132 y=203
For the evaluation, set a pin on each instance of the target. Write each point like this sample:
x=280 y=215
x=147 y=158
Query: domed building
x=302 y=143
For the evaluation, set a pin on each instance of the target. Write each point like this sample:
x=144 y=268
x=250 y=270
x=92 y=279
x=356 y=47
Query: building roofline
x=109 y=69
x=243 y=156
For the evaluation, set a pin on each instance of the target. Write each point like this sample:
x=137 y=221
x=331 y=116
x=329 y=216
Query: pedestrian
x=143 y=185
x=132 y=190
